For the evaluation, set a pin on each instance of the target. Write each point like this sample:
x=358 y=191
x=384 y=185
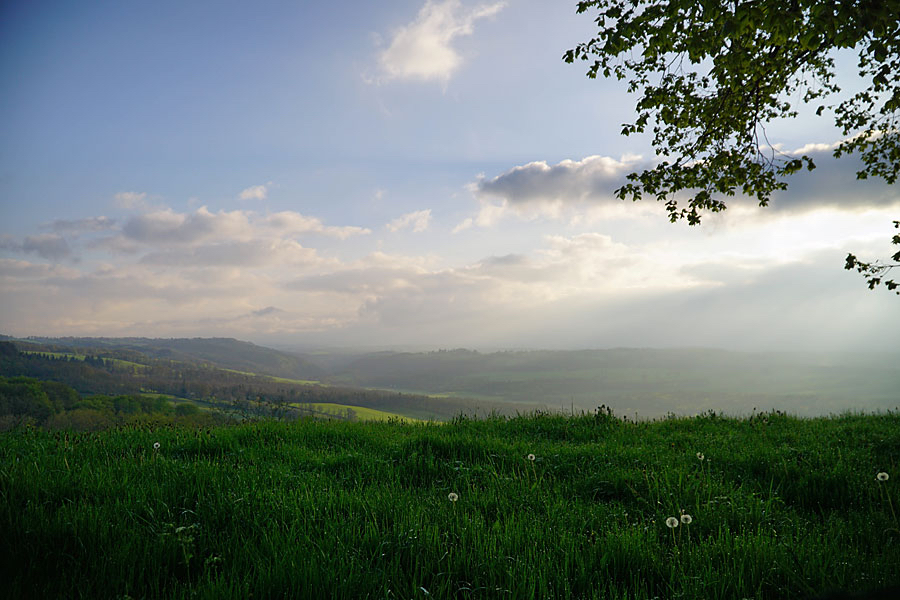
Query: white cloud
x=131 y=200
x=417 y=220
x=294 y=223
x=466 y=223
x=423 y=49
x=395 y=289
x=167 y=227
x=815 y=147
x=254 y=253
x=256 y=192
x=13 y=270
x=118 y=244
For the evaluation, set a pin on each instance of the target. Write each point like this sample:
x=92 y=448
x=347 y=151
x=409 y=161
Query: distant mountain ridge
x=226 y=353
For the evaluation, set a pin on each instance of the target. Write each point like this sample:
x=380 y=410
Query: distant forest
x=121 y=372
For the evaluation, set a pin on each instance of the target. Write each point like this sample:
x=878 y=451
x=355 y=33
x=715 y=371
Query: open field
x=278 y=379
x=359 y=413
x=780 y=507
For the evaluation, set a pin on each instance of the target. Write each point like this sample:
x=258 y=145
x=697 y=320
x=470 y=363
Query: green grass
x=781 y=507
x=278 y=379
x=362 y=413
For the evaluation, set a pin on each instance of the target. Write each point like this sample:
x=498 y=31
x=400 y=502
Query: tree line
x=54 y=405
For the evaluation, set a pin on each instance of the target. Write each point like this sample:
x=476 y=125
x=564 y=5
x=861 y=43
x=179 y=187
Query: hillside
x=225 y=353
x=116 y=371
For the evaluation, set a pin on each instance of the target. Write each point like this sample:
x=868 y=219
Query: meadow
x=537 y=506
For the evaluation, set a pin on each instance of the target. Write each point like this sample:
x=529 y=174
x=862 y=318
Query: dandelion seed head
x=156 y=446
x=882 y=476
x=671 y=522
x=452 y=496
x=686 y=519
x=530 y=457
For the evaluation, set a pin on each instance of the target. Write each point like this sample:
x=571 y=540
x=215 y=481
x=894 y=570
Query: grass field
x=360 y=413
x=779 y=508
x=279 y=379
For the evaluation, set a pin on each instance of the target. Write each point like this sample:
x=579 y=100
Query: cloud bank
x=575 y=189
x=745 y=283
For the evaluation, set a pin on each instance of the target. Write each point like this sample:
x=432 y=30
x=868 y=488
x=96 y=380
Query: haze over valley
x=632 y=382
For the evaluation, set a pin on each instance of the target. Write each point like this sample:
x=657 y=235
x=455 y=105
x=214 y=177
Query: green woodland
x=29 y=401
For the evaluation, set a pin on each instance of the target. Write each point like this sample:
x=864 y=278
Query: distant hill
x=114 y=369
x=225 y=353
x=650 y=382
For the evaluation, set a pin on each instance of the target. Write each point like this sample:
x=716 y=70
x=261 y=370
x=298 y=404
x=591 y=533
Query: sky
x=403 y=174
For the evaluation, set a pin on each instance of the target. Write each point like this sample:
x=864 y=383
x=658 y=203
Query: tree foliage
x=713 y=74
x=874 y=272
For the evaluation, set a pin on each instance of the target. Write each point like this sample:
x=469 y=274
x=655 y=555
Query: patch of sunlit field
x=361 y=413
x=541 y=506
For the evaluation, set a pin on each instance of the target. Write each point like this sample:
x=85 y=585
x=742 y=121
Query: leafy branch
x=712 y=74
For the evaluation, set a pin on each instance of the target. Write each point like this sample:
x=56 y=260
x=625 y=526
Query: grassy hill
x=778 y=507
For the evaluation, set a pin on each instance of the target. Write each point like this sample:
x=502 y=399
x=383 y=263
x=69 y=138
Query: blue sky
x=386 y=174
